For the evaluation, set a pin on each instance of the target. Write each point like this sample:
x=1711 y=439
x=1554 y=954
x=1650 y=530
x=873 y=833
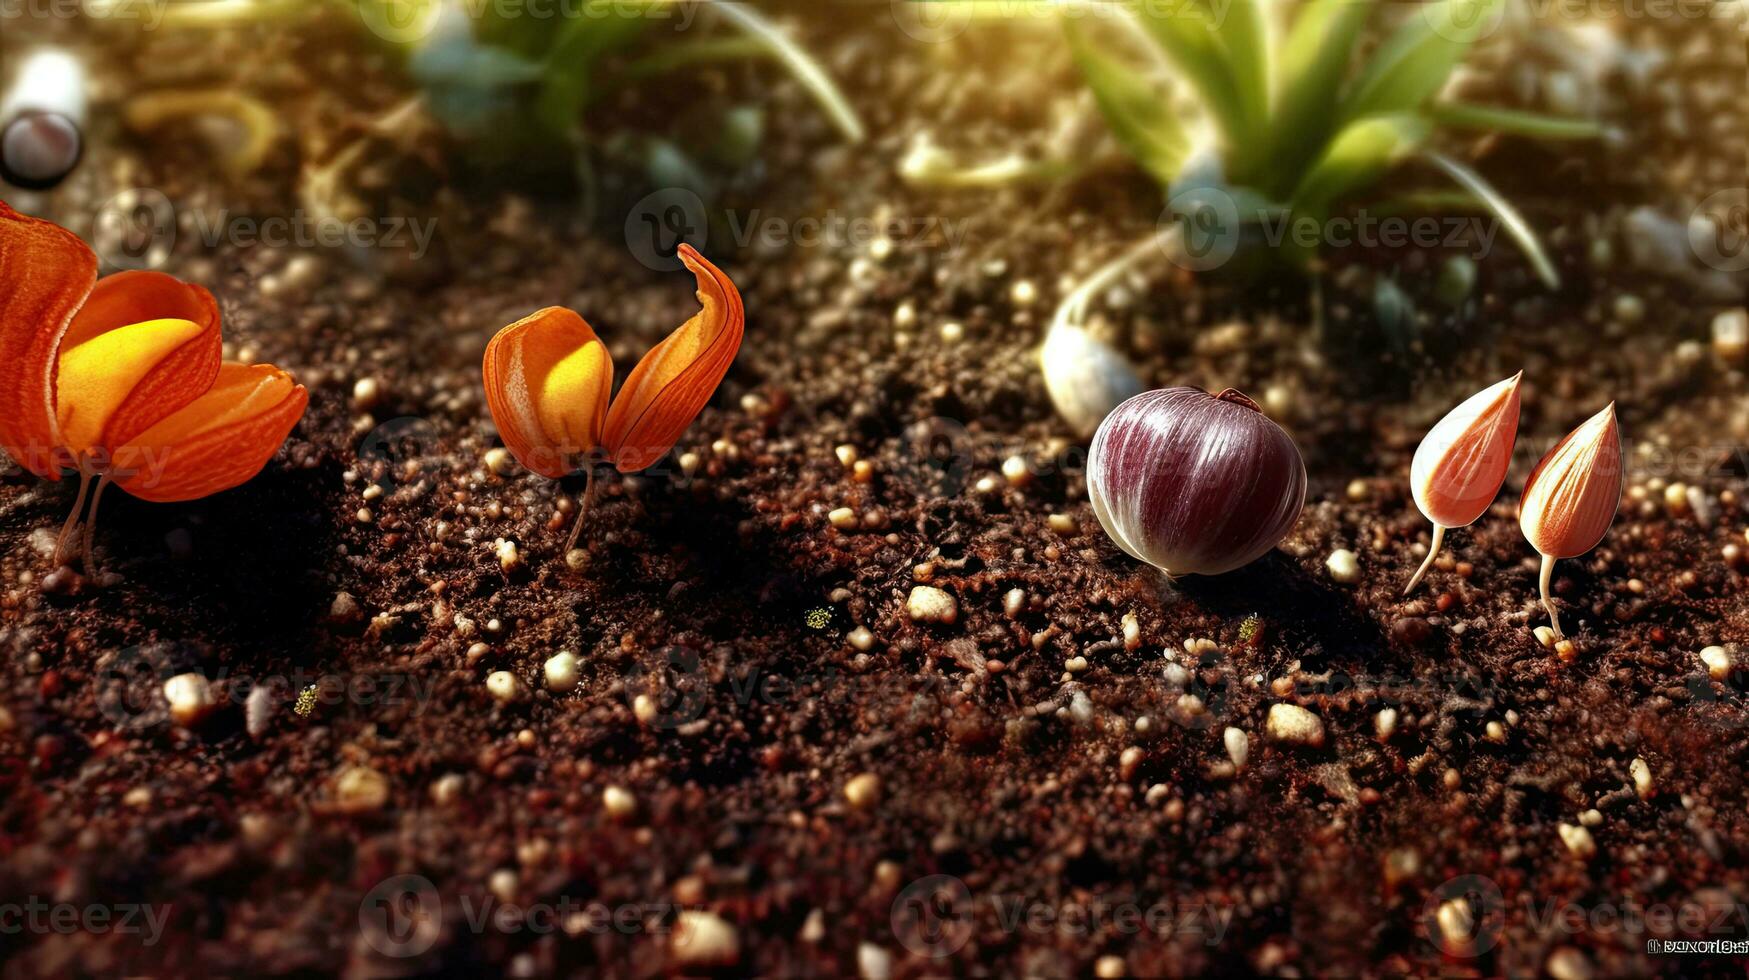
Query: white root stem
x=72 y=519
x=91 y=569
x=583 y=503
x=1548 y=603
x=1432 y=553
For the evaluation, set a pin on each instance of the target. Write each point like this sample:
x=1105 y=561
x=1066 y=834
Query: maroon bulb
x=1194 y=483
x=39 y=149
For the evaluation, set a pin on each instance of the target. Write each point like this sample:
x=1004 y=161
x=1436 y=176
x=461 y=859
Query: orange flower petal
x=548 y=378
x=671 y=385
x=101 y=377
x=1462 y=462
x=45 y=274
x=217 y=441
x=1572 y=496
x=161 y=380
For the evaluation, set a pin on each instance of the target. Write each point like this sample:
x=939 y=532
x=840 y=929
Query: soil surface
x=767 y=765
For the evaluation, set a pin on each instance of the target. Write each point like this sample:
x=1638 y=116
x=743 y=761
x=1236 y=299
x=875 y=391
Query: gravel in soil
x=770 y=721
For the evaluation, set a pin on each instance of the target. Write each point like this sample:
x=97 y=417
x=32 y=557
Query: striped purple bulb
x=1194 y=483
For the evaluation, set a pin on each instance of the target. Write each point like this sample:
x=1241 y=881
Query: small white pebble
x=1014 y=603
x=503 y=685
x=1022 y=293
x=703 y=940
x=1063 y=523
x=1132 y=632
x=1385 y=724
x=689 y=464
x=503 y=884
x=1110 y=968
x=1642 y=773
x=618 y=802
x=1718 y=662
x=1578 y=840
x=366 y=393
x=1238 y=746
x=873 y=962
x=861 y=639
x=863 y=791
x=1344 y=566
x=562 y=672
x=928 y=604
x=847 y=455
x=499 y=460
x=509 y=557
x=953 y=331
x=645 y=709
x=190 y=698
x=359 y=789
x=1496 y=732
x=1545 y=636
x=1293 y=725
x=1016 y=471
x=843 y=518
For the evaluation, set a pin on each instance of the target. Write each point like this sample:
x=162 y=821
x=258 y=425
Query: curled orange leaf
x=216 y=442
x=47 y=272
x=671 y=385
x=548 y=378
x=121 y=379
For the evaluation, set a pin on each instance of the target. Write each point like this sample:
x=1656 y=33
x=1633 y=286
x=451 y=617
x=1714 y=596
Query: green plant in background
x=1292 y=126
x=1287 y=125
x=521 y=83
x=514 y=85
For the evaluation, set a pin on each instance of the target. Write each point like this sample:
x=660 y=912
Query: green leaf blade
x=1414 y=63
x=1140 y=118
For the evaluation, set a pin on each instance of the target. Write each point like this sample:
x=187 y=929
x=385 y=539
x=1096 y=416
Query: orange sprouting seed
x=122 y=380
x=1572 y=496
x=1461 y=464
x=549 y=380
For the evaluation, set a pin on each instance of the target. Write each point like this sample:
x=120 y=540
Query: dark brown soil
x=1099 y=800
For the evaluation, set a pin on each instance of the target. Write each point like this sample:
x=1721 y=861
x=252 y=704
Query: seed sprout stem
x=583 y=504
x=91 y=527
x=1432 y=552
x=1549 y=604
x=73 y=518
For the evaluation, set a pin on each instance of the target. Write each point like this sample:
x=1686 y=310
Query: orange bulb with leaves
x=122 y=379
x=549 y=384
